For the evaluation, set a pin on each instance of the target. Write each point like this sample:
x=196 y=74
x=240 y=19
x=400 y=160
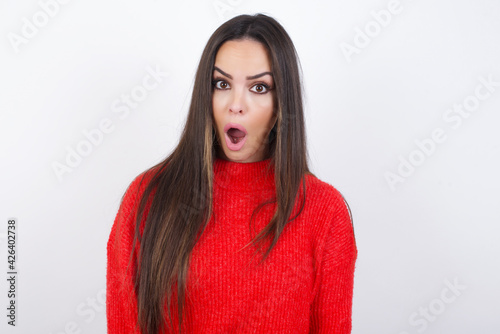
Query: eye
x=260 y=88
x=220 y=84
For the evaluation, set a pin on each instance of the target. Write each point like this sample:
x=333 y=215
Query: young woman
x=182 y=249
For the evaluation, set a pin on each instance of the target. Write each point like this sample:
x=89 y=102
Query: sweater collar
x=243 y=176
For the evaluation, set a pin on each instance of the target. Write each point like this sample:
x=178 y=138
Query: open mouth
x=235 y=136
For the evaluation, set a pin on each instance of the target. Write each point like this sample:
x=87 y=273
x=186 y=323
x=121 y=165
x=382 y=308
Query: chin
x=238 y=157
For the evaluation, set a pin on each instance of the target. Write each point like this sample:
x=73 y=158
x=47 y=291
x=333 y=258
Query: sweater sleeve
x=121 y=304
x=332 y=305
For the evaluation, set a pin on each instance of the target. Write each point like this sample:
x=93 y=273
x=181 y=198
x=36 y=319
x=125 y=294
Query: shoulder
x=140 y=182
x=135 y=190
x=123 y=225
x=328 y=206
x=324 y=194
x=335 y=230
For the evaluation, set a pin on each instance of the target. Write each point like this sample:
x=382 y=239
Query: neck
x=219 y=153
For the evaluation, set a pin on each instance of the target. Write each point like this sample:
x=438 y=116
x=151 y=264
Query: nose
x=237 y=102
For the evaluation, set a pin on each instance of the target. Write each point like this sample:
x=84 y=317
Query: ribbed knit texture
x=304 y=286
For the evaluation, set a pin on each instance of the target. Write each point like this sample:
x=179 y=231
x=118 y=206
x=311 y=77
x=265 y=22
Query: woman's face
x=243 y=98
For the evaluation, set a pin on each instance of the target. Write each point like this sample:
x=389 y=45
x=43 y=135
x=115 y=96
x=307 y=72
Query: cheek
x=262 y=124
x=264 y=110
x=218 y=109
x=262 y=107
x=262 y=103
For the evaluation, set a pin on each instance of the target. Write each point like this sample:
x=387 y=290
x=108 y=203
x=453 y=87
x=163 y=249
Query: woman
x=237 y=185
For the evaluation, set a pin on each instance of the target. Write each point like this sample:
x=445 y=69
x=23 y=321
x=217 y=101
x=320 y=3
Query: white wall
x=436 y=225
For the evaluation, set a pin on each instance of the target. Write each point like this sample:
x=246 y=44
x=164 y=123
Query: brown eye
x=221 y=84
x=260 y=88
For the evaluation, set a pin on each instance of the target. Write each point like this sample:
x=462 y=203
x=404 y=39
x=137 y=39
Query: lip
x=232 y=146
x=229 y=143
x=236 y=126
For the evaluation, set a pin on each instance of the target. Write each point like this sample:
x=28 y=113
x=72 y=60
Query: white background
x=364 y=113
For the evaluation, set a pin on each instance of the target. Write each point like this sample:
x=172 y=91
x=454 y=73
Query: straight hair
x=174 y=221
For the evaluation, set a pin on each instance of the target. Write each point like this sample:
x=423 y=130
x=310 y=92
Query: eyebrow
x=251 y=77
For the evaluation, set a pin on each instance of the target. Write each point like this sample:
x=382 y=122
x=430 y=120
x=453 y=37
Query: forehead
x=243 y=57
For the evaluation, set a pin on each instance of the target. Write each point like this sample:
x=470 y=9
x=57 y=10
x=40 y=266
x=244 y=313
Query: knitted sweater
x=304 y=286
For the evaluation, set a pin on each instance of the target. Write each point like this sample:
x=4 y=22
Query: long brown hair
x=174 y=222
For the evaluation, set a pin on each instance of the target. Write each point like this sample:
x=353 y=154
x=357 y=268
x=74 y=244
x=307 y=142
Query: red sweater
x=304 y=286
